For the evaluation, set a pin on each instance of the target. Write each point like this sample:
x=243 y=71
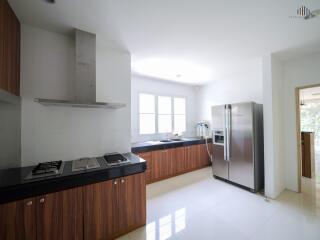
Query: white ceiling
x=217 y=36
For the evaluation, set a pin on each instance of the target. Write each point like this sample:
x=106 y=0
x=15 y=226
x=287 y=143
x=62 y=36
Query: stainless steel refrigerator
x=237 y=138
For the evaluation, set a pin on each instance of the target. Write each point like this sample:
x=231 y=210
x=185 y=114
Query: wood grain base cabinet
x=51 y=216
x=179 y=162
x=113 y=208
x=100 y=204
x=162 y=164
x=132 y=203
x=192 y=157
x=148 y=157
x=18 y=220
x=102 y=210
x=204 y=159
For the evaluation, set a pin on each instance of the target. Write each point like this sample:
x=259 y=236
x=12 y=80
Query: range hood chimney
x=85 y=76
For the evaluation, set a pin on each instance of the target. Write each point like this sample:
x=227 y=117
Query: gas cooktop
x=46 y=169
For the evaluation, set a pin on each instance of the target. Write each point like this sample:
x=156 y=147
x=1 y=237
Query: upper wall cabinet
x=9 y=49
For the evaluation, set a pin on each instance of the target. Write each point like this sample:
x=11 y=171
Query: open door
x=308 y=137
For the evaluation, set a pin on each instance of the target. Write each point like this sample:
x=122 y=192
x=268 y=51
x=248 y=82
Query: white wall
x=241 y=86
x=298 y=72
x=281 y=78
x=53 y=133
x=10 y=133
x=273 y=125
x=165 y=88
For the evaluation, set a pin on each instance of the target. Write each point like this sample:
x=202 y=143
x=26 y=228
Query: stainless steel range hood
x=85 y=76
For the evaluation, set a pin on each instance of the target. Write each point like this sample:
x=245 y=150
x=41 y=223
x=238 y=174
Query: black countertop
x=152 y=146
x=13 y=185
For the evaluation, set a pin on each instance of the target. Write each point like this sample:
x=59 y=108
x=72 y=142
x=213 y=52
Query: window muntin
x=147 y=114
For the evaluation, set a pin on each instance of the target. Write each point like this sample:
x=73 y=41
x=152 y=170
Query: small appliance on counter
x=202 y=129
x=114 y=159
x=46 y=169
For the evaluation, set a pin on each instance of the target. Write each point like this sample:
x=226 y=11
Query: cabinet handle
x=41 y=200
x=29 y=203
x=115 y=182
x=122 y=181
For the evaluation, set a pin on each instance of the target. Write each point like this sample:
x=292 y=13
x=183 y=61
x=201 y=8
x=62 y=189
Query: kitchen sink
x=167 y=140
x=154 y=142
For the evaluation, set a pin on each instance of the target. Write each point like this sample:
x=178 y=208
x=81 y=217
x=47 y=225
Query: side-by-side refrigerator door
x=241 y=166
x=220 y=163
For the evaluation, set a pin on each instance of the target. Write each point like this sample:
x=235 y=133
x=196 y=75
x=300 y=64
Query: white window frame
x=174 y=114
x=171 y=113
x=157 y=113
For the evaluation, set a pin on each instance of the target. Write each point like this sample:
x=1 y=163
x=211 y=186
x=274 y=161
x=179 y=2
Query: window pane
x=164 y=123
x=164 y=105
x=147 y=123
x=179 y=106
x=146 y=103
x=179 y=123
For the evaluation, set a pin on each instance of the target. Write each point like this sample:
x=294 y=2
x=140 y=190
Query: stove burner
x=115 y=159
x=46 y=169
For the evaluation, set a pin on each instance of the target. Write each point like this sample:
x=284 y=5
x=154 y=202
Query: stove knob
x=41 y=200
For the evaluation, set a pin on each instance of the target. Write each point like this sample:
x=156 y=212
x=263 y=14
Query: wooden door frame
x=298 y=129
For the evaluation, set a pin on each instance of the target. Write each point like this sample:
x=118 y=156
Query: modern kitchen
x=156 y=120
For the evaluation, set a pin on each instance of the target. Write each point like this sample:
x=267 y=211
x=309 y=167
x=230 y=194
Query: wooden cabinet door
x=132 y=203
x=49 y=216
x=60 y=215
x=161 y=165
x=9 y=49
x=72 y=213
x=192 y=157
x=100 y=210
x=148 y=157
x=18 y=220
x=203 y=155
x=2 y=34
x=178 y=158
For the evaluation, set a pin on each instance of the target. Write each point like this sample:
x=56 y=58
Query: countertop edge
x=29 y=189
x=149 y=147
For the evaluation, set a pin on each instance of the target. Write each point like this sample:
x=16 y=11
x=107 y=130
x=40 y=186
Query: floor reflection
x=175 y=212
x=164 y=227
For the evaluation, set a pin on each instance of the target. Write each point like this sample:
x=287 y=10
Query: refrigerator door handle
x=229 y=133
x=225 y=154
x=227 y=137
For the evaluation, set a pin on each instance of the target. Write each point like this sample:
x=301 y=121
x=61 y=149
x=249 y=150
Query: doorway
x=308 y=117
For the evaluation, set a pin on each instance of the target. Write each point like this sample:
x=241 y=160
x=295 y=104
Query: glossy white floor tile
x=196 y=206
